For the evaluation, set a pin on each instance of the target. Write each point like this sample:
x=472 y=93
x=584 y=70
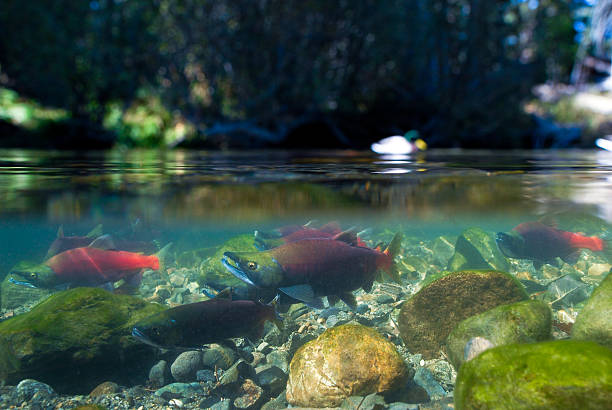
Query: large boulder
x=427 y=318
x=75 y=340
x=594 y=322
x=562 y=374
x=476 y=249
x=347 y=360
x=522 y=322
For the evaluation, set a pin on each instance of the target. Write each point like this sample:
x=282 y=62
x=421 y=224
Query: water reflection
x=181 y=185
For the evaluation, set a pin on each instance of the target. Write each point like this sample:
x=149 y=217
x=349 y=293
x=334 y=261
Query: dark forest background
x=287 y=73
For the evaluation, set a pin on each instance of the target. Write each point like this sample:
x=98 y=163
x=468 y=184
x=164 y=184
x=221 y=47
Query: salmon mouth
x=231 y=263
x=144 y=338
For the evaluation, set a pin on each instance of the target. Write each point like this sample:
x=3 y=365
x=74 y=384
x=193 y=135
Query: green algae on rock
x=347 y=360
x=427 y=318
x=562 y=374
x=522 y=322
x=594 y=322
x=476 y=249
x=14 y=295
x=76 y=339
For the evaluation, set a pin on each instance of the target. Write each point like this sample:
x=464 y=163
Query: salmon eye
x=252 y=265
x=33 y=275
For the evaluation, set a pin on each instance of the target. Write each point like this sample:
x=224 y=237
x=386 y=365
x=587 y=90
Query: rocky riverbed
x=400 y=348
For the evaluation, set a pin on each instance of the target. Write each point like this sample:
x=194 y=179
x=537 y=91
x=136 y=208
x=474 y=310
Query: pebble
x=206 y=376
x=178 y=390
x=105 y=388
x=424 y=378
x=186 y=365
x=159 y=374
x=250 y=396
x=218 y=357
x=27 y=388
x=475 y=346
x=271 y=378
x=279 y=358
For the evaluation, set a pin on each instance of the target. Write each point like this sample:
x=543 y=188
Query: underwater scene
x=192 y=279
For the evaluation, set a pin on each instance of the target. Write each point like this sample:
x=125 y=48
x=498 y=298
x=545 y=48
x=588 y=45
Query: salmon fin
x=332 y=300
x=368 y=286
x=331 y=227
x=278 y=319
x=95 y=232
x=303 y=293
x=310 y=223
x=163 y=256
x=225 y=294
x=571 y=258
x=349 y=299
x=348 y=237
x=379 y=247
x=392 y=250
x=103 y=242
x=549 y=220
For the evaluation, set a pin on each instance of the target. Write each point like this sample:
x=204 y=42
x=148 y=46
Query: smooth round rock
x=186 y=365
x=159 y=375
x=105 y=388
x=347 y=360
x=594 y=322
x=218 y=357
x=562 y=374
x=27 y=388
x=427 y=318
x=522 y=322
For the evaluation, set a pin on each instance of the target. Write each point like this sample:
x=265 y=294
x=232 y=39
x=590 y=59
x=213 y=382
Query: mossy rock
x=476 y=249
x=347 y=360
x=191 y=258
x=594 y=322
x=443 y=248
x=75 y=340
x=13 y=296
x=213 y=273
x=562 y=374
x=522 y=322
x=427 y=318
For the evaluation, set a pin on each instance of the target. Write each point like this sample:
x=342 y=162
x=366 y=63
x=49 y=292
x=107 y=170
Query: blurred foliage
x=268 y=72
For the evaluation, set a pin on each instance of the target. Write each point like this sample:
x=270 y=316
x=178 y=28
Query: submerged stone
x=347 y=360
x=522 y=322
x=562 y=374
x=476 y=249
x=594 y=322
x=427 y=318
x=76 y=339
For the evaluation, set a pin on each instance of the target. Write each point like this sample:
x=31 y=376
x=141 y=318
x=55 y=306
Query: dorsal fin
x=349 y=237
x=60 y=231
x=224 y=294
x=95 y=232
x=104 y=242
x=549 y=221
x=331 y=227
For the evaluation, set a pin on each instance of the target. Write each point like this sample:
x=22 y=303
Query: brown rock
x=347 y=360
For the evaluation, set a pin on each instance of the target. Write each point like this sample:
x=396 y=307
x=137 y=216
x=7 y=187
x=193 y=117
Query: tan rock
x=344 y=361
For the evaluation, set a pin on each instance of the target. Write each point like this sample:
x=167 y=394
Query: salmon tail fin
x=278 y=319
x=163 y=258
x=392 y=250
